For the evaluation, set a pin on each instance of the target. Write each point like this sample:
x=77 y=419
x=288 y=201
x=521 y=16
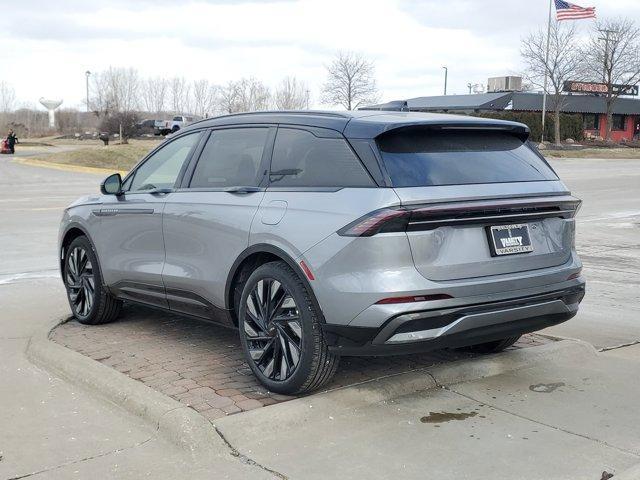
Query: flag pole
x=546 y=76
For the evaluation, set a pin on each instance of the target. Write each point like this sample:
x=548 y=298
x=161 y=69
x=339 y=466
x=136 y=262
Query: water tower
x=51 y=105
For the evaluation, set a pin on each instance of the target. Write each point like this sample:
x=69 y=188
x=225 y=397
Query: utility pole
x=469 y=86
x=87 y=74
x=605 y=66
x=546 y=75
x=446 y=72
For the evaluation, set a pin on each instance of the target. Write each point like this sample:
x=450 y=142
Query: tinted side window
x=161 y=170
x=300 y=159
x=230 y=158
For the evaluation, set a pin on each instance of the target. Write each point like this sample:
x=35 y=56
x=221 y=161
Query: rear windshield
x=417 y=156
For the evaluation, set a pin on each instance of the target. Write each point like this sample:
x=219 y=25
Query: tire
x=89 y=300
x=291 y=336
x=493 y=347
x=175 y=128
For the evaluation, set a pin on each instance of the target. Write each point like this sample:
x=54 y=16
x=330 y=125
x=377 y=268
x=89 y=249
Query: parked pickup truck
x=164 y=127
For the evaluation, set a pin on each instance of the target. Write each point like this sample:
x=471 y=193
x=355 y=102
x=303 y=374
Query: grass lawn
x=112 y=157
x=122 y=157
x=594 y=153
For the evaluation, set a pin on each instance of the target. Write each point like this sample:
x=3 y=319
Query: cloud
x=48 y=46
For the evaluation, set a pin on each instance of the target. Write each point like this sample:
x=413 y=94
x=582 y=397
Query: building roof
x=575 y=104
x=518 y=101
x=482 y=101
x=355 y=123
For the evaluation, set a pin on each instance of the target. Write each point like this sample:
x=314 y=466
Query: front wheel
x=90 y=302
x=281 y=334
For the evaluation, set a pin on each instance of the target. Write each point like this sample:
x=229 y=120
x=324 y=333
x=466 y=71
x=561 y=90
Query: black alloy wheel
x=273 y=329
x=81 y=282
x=90 y=302
x=281 y=331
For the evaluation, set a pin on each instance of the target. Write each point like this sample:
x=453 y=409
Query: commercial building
x=592 y=107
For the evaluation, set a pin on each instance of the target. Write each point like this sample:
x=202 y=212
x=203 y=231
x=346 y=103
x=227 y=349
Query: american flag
x=569 y=11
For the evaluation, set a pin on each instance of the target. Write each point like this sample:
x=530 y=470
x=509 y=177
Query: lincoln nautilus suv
x=324 y=234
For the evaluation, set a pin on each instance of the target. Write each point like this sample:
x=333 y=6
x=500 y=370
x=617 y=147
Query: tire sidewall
x=86 y=245
x=289 y=279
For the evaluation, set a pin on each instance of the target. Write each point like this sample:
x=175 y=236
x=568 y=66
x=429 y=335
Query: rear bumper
x=458 y=326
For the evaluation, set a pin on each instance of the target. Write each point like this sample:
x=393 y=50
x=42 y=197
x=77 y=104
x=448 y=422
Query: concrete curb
x=67 y=168
x=192 y=432
x=329 y=403
x=178 y=423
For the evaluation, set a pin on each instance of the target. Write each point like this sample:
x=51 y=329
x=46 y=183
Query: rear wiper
x=241 y=189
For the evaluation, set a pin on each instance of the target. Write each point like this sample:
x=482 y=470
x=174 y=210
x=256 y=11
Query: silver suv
x=322 y=234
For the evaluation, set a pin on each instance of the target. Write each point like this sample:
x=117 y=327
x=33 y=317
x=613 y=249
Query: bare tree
x=203 y=98
x=612 y=55
x=350 y=81
x=180 y=94
x=115 y=90
x=154 y=94
x=227 y=99
x=252 y=95
x=291 y=94
x=244 y=95
x=564 y=63
x=7 y=97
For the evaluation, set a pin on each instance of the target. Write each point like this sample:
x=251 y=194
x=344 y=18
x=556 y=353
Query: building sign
x=591 y=87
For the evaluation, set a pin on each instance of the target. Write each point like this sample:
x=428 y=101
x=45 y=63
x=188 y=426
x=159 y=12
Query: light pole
x=87 y=74
x=446 y=72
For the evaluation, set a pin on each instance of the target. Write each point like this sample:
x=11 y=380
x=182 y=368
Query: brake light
x=384 y=220
x=415 y=298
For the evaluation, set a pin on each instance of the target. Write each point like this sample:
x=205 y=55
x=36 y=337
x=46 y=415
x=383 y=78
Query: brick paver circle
x=202 y=365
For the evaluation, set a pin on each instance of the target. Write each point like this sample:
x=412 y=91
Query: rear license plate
x=509 y=239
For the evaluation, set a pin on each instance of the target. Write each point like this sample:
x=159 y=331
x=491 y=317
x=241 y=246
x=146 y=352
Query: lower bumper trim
x=459 y=327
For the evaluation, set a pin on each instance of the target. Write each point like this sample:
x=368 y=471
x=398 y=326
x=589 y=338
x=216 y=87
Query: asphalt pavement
x=608 y=236
x=53 y=430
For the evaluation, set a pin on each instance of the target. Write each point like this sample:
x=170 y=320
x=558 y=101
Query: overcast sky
x=47 y=46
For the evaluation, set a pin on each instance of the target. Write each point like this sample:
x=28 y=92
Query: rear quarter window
x=300 y=159
x=419 y=156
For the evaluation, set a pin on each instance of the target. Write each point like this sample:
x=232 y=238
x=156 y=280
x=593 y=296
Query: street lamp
x=446 y=72
x=87 y=74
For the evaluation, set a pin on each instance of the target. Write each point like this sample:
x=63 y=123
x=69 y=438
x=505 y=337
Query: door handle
x=160 y=191
x=241 y=189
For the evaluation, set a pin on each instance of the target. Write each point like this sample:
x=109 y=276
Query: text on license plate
x=510 y=239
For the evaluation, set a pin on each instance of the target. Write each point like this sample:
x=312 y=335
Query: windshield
x=418 y=156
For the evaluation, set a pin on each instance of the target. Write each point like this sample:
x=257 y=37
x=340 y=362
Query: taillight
x=414 y=298
x=478 y=212
x=384 y=220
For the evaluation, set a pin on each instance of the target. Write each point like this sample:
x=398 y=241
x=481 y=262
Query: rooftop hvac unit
x=504 y=84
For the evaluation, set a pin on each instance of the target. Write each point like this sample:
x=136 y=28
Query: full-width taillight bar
x=426 y=217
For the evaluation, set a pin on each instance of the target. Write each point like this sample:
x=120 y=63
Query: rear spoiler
x=365 y=128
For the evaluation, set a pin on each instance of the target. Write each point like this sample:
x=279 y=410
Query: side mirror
x=112 y=185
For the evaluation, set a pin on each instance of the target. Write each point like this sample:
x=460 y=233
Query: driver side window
x=161 y=170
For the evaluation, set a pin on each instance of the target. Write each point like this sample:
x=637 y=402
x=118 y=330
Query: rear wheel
x=280 y=332
x=90 y=302
x=493 y=347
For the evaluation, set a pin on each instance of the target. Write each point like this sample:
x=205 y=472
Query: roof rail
x=324 y=113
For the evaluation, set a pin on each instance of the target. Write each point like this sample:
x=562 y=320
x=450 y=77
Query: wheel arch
x=250 y=259
x=73 y=231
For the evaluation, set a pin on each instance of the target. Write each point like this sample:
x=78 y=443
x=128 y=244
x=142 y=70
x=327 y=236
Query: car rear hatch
x=477 y=201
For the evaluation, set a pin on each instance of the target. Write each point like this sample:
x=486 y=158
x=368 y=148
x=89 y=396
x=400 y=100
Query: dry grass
x=112 y=157
x=604 y=153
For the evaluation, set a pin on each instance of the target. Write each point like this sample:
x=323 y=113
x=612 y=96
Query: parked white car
x=164 y=127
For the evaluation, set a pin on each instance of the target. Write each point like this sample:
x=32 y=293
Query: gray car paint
x=191 y=239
